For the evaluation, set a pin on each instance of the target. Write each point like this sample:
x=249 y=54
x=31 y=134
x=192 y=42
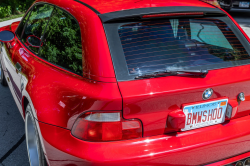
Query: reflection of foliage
x=21 y=25
x=228 y=54
x=62 y=42
x=38 y=20
x=37 y=23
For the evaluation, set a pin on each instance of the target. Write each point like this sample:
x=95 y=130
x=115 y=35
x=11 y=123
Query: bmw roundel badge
x=207 y=93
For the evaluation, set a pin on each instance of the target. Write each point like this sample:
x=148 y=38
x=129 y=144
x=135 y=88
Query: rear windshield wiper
x=201 y=73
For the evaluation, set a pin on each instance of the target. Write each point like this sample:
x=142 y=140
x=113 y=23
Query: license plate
x=244 y=4
x=205 y=114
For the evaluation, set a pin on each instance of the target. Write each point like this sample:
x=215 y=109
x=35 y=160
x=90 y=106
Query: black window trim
x=37 y=55
x=30 y=9
x=118 y=57
x=29 y=12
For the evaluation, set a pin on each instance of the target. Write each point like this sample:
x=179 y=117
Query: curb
x=5 y=23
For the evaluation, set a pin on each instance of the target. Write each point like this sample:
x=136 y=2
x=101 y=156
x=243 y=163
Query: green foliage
x=5 y=11
x=24 y=5
x=37 y=22
x=62 y=45
x=11 y=7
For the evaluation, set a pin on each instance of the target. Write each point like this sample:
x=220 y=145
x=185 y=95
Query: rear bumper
x=232 y=160
x=214 y=145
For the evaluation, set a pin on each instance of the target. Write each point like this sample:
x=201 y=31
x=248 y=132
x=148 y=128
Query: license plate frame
x=198 y=112
x=244 y=4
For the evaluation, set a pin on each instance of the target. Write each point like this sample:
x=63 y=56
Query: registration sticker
x=205 y=114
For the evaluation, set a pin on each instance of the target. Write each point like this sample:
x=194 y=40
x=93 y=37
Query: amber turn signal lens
x=223 y=103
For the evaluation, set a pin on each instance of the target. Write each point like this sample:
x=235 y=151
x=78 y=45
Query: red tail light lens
x=99 y=127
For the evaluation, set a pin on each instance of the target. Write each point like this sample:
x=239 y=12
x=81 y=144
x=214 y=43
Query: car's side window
x=36 y=25
x=62 y=42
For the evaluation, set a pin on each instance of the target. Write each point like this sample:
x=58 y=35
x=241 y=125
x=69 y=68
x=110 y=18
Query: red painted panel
x=14 y=26
x=195 y=147
x=116 y=5
x=58 y=96
x=150 y=100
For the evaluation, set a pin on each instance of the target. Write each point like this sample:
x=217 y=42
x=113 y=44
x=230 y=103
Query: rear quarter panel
x=58 y=96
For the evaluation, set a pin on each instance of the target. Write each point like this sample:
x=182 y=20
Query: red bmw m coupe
x=132 y=82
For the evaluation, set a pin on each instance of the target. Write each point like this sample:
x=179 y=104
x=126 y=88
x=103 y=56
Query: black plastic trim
x=90 y=7
x=133 y=13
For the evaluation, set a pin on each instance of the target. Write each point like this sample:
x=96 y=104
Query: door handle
x=18 y=67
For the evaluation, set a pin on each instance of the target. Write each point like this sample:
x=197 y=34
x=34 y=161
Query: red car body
x=58 y=97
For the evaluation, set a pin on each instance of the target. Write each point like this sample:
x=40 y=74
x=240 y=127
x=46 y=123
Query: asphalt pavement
x=13 y=150
x=12 y=139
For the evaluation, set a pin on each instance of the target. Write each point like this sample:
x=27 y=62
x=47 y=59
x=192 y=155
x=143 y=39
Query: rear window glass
x=177 y=44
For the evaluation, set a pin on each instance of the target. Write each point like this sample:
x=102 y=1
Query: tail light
x=106 y=126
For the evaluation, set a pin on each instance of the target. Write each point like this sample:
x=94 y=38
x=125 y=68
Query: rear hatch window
x=149 y=46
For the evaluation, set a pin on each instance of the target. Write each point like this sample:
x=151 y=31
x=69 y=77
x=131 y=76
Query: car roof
x=107 y=6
